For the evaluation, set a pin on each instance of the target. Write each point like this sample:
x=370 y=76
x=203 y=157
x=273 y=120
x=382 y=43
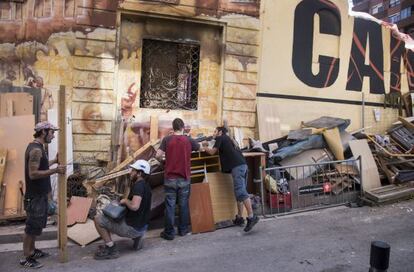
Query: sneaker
x=30 y=262
x=238 y=221
x=184 y=233
x=166 y=236
x=37 y=254
x=251 y=222
x=138 y=243
x=107 y=253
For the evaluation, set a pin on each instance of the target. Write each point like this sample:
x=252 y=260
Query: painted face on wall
x=93 y=114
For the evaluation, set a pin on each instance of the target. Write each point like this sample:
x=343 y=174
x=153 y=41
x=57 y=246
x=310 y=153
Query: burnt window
x=169 y=78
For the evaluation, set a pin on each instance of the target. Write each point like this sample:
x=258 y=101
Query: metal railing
x=304 y=187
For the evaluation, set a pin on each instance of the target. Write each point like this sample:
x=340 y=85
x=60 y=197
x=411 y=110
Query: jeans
x=176 y=188
x=239 y=174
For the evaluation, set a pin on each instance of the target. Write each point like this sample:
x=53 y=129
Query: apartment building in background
x=399 y=12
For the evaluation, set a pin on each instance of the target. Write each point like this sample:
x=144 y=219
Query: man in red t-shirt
x=177 y=149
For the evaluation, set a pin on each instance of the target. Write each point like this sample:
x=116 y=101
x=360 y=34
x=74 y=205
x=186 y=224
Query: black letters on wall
x=330 y=23
x=364 y=30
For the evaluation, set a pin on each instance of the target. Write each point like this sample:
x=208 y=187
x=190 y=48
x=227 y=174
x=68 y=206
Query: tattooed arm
x=34 y=162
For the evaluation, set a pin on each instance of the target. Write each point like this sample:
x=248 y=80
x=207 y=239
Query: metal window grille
x=169 y=78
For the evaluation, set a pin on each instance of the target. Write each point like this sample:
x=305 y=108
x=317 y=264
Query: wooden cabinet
x=202 y=163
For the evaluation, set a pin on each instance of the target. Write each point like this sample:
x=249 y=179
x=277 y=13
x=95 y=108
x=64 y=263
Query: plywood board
x=83 y=234
x=222 y=196
x=333 y=139
x=17 y=103
x=370 y=177
x=201 y=210
x=268 y=122
x=78 y=210
x=22 y=128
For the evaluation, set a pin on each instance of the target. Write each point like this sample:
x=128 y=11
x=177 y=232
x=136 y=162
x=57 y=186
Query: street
x=330 y=240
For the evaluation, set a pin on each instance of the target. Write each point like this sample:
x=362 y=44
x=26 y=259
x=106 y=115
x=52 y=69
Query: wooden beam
x=102 y=180
x=3 y=158
x=406 y=123
x=62 y=228
x=130 y=159
x=10 y=108
x=153 y=127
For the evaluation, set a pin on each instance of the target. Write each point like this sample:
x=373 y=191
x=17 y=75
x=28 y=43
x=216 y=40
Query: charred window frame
x=169 y=74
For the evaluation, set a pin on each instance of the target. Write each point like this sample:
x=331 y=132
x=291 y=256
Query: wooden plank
x=10 y=108
x=3 y=159
x=62 y=187
x=16 y=104
x=102 y=180
x=222 y=196
x=22 y=127
x=78 y=210
x=370 y=177
x=201 y=211
x=153 y=128
x=83 y=234
x=406 y=123
x=130 y=159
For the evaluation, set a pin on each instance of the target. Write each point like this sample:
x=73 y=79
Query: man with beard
x=37 y=175
x=135 y=223
x=232 y=161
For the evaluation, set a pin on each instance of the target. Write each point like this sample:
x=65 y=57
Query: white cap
x=142 y=165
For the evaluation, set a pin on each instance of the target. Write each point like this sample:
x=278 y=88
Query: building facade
x=394 y=11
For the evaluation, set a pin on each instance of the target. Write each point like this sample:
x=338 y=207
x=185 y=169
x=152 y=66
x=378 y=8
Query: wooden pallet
x=390 y=193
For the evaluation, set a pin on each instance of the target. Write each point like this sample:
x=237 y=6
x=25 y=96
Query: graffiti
x=93 y=114
x=128 y=101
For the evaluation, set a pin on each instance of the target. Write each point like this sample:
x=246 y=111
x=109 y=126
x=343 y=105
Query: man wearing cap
x=135 y=223
x=37 y=175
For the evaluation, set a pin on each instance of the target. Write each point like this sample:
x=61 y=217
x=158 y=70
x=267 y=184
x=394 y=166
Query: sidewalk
x=332 y=240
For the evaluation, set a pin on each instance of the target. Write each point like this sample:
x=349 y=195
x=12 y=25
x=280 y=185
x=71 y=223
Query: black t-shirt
x=40 y=186
x=140 y=217
x=230 y=156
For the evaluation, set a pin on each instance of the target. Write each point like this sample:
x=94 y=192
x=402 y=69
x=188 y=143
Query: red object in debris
x=327 y=188
x=279 y=201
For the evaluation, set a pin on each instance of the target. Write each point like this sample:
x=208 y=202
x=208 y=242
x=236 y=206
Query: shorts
x=36 y=214
x=239 y=174
x=120 y=228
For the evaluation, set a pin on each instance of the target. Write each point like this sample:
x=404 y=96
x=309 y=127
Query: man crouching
x=135 y=222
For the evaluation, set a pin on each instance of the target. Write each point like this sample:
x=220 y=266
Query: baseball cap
x=45 y=125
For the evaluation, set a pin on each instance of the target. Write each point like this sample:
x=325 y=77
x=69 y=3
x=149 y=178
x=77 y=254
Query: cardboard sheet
x=21 y=128
x=370 y=177
x=83 y=234
x=78 y=210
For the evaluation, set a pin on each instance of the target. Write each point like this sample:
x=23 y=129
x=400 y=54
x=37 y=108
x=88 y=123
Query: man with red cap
x=37 y=175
